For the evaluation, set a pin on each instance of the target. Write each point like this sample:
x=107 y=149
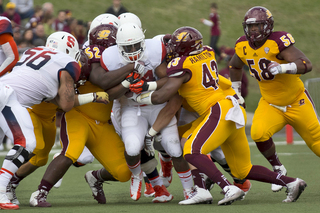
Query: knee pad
x=132 y=145
x=18 y=155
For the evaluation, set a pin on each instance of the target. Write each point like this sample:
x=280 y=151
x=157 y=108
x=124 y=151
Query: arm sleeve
x=10 y=50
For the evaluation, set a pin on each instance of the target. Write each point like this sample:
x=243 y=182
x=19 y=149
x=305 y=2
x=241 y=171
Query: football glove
x=275 y=68
x=101 y=97
x=139 y=87
x=236 y=85
x=139 y=67
x=148 y=147
x=132 y=78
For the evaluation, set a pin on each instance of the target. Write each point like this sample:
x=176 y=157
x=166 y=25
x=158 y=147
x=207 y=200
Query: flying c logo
x=104 y=34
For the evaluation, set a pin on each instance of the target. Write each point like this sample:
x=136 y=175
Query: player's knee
x=18 y=155
x=257 y=134
x=133 y=145
x=74 y=159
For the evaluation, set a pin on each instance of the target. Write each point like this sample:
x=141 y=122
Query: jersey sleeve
x=175 y=67
x=73 y=69
x=283 y=39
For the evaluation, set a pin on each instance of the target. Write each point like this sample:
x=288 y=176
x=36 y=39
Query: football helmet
x=130 y=41
x=105 y=18
x=258 y=15
x=85 y=66
x=129 y=18
x=185 y=41
x=64 y=42
x=103 y=35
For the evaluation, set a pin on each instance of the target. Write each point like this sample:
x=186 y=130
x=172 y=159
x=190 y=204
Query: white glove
x=139 y=67
x=236 y=85
x=149 y=144
x=275 y=68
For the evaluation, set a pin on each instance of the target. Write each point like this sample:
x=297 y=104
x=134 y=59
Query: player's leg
x=266 y=122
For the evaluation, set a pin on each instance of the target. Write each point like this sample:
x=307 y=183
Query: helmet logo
x=182 y=36
x=268 y=14
x=104 y=34
x=71 y=42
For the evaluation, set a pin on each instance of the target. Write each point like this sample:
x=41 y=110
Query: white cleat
x=231 y=194
x=294 y=190
x=135 y=186
x=197 y=196
x=281 y=170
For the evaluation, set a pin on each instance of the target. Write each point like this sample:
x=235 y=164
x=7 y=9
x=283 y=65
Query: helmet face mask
x=130 y=41
x=258 y=17
x=64 y=42
x=185 y=41
x=103 y=35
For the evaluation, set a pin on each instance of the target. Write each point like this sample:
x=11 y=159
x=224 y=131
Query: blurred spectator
x=36 y=18
x=116 y=8
x=60 y=22
x=214 y=23
x=48 y=10
x=26 y=42
x=71 y=25
x=12 y=15
x=47 y=22
x=17 y=35
x=81 y=32
x=24 y=8
x=39 y=36
x=226 y=55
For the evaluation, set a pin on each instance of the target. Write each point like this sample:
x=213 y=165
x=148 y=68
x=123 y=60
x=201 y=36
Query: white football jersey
x=154 y=54
x=36 y=76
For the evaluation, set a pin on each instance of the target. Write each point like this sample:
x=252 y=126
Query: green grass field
x=300 y=18
x=74 y=195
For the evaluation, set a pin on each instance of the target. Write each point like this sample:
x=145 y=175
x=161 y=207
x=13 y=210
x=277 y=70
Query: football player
x=42 y=74
x=194 y=74
x=277 y=64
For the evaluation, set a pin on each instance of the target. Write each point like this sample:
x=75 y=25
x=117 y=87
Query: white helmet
x=105 y=18
x=130 y=41
x=129 y=18
x=64 y=42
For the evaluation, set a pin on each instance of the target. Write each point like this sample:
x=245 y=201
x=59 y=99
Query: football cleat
x=294 y=190
x=11 y=193
x=58 y=184
x=96 y=187
x=39 y=199
x=135 y=186
x=231 y=194
x=197 y=196
x=148 y=190
x=281 y=170
x=5 y=202
x=162 y=195
x=245 y=187
x=165 y=172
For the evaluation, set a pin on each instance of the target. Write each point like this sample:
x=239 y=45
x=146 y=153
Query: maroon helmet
x=185 y=41
x=258 y=15
x=85 y=66
x=103 y=35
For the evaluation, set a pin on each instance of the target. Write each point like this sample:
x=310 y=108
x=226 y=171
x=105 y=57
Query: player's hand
x=275 y=68
x=132 y=78
x=139 y=86
x=101 y=97
x=158 y=137
x=139 y=67
x=149 y=144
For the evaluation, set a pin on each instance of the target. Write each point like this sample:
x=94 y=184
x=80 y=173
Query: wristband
x=145 y=98
x=152 y=132
x=125 y=84
x=152 y=85
x=85 y=98
x=289 y=68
